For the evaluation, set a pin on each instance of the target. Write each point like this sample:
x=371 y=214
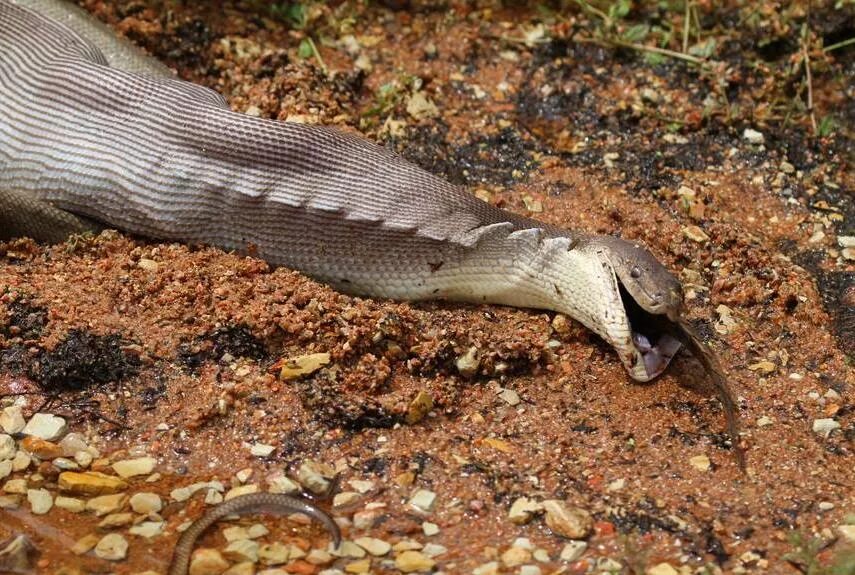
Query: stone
x=12 y=420
x=112 y=547
x=753 y=136
x=90 y=483
x=414 y=562
x=282 y=484
x=5 y=468
x=134 y=467
x=423 y=500
x=207 y=562
x=420 y=107
x=700 y=462
x=516 y=556
x=491 y=568
x=85 y=544
x=105 y=504
x=573 y=550
x=65 y=464
x=570 y=522
x=274 y=553
x=523 y=509
x=146 y=503
x=18 y=486
x=40 y=501
x=419 y=407
x=235 y=533
x=434 y=550
x=262 y=449
x=303 y=365
x=41 y=448
x=510 y=397
x=73 y=443
x=245 y=568
x=21 y=461
x=242 y=550
x=319 y=557
x=662 y=569
x=468 y=363
x=376 y=547
x=241 y=490
x=358 y=567
x=430 y=529
x=10 y=501
x=147 y=529
x=8 y=448
x=71 y=504
x=116 y=520
x=824 y=427
x=529 y=570
x=46 y=426
x=315 y=477
x=345 y=498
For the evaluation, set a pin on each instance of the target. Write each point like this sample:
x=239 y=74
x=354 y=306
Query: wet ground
x=174 y=352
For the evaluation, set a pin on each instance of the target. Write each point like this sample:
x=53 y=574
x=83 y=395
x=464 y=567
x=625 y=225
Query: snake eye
x=635 y=272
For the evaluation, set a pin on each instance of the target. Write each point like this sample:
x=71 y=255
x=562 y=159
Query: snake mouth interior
x=649 y=336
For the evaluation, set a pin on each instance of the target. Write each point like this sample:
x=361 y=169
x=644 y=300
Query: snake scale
x=93 y=130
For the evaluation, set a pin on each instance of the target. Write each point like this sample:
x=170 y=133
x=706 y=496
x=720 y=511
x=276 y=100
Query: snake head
x=652 y=298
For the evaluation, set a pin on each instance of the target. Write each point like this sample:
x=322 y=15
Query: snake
x=96 y=133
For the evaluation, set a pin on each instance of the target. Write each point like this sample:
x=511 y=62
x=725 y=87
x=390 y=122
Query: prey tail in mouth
x=683 y=331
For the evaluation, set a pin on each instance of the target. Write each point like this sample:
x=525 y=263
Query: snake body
x=93 y=129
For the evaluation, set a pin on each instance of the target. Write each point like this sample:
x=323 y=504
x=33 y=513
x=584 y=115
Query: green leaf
x=636 y=33
x=827 y=126
x=619 y=9
x=296 y=14
x=704 y=49
x=305 y=50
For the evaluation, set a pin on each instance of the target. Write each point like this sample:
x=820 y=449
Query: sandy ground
x=173 y=351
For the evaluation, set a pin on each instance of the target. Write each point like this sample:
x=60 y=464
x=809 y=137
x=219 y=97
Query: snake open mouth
x=649 y=335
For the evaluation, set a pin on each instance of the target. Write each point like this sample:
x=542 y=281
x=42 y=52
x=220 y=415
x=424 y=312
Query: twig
x=687 y=23
x=839 y=45
x=809 y=80
x=663 y=51
x=317 y=55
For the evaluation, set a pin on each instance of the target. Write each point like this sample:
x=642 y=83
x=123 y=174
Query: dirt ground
x=714 y=161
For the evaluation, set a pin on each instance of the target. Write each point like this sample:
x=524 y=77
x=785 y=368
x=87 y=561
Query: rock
x=358 y=567
x=530 y=570
x=847 y=532
x=434 y=550
x=112 y=547
x=420 y=107
x=241 y=490
x=662 y=569
x=5 y=468
x=261 y=450
x=257 y=530
x=430 y=529
x=423 y=500
x=241 y=569
x=90 y=483
x=235 y=533
x=85 y=544
x=345 y=498
x=12 y=420
x=10 y=501
x=46 y=426
x=105 y=504
x=146 y=503
x=319 y=557
x=40 y=501
x=700 y=462
x=71 y=504
x=570 y=522
x=134 y=467
x=468 y=363
x=303 y=365
x=491 y=568
x=207 y=562
x=573 y=550
x=147 y=529
x=413 y=561
x=274 y=553
x=21 y=461
x=824 y=427
x=73 y=443
x=18 y=486
x=695 y=233
x=8 y=448
x=510 y=397
x=242 y=550
x=315 y=476
x=753 y=136
x=419 y=407
x=65 y=464
x=41 y=448
x=516 y=556
x=281 y=484
x=523 y=509
x=115 y=520
x=376 y=547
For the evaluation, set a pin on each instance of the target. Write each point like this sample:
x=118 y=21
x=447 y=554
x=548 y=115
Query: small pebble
x=242 y=550
x=8 y=447
x=700 y=462
x=134 y=467
x=753 y=136
x=147 y=529
x=262 y=450
x=516 y=556
x=106 y=504
x=146 y=503
x=40 y=501
x=376 y=547
x=12 y=420
x=573 y=550
x=71 y=504
x=207 y=562
x=414 y=561
x=662 y=569
x=90 y=483
x=570 y=522
x=523 y=509
x=112 y=547
x=46 y=426
x=430 y=529
x=824 y=427
x=423 y=500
